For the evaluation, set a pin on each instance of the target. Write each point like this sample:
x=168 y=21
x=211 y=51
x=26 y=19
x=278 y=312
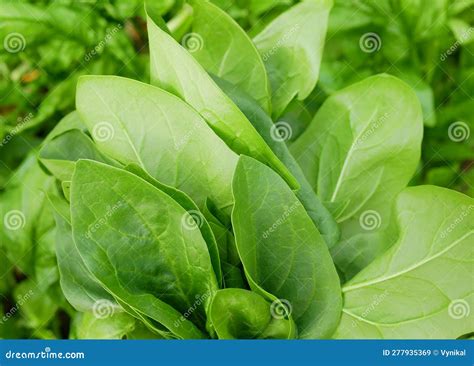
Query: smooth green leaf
x=142 y=246
x=422 y=286
x=291 y=47
x=223 y=48
x=137 y=123
x=275 y=136
x=359 y=152
x=282 y=251
x=175 y=70
x=242 y=314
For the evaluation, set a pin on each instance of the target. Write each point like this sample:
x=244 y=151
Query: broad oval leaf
x=282 y=251
x=422 y=286
x=139 y=243
x=138 y=123
x=175 y=70
x=320 y=215
x=242 y=314
x=359 y=152
x=291 y=47
x=223 y=48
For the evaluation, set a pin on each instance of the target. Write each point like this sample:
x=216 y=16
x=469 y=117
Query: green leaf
x=137 y=123
x=291 y=47
x=282 y=251
x=223 y=48
x=242 y=314
x=114 y=326
x=79 y=286
x=271 y=133
x=359 y=152
x=21 y=211
x=142 y=246
x=175 y=70
x=192 y=209
x=60 y=154
x=420 y=287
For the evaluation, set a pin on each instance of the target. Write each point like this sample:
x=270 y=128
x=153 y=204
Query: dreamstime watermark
x=21 y=123
x=99 y=47
x=281 y=131
x=464 y=37
x=377 y=300
x=15 y=308
x=281 y=219
x=280 y=43
x=458 y=131
x=14 y=42
x=14 y=220
x=370 y=220
x=200 y=299
x=104 y=219
x=374 y=126
x=103 y=131
x=281 y=309
x=370 y=42
x=459 y=309
x=103 y=309
x=465 y=212
x=192 y=219
x=178 y=145
x=193 y=42
x=47 y=354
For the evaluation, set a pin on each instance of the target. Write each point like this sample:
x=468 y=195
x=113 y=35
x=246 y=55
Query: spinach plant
x=184 y=209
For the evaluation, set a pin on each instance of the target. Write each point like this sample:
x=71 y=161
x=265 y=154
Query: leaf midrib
x=410 y=268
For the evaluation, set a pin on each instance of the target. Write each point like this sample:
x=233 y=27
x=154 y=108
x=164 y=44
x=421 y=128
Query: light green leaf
x=359 y=152
x=242 y=314
x=140 y=244
x=59 y=155
x=114 y=326
x=79 y=286
x=275 y=136
x=291 y=47
x=192 y=209
x=175 y=70
x=422 y=286
x=137 y=123
x=282 y=251
x=223 y=48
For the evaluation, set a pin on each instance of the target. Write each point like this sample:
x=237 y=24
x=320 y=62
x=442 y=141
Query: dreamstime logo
x=15 y=308
x=103 y=132
x=101 y=45
x=192 y=219
x=464 y=37
x=200 y=299
x=193 y=42
x=103 y=309
x=14 y=42
x=22 y=122
x=14 y=220
x=280 y=43
x=111 y=210
x=281 y=309
x=458 y=131
x=377 y=300
x=459 y=309
x=288 y=211
x=465 y=212
x=374 y=126
x=281 y=131
x=370 y=220
x=370 y=42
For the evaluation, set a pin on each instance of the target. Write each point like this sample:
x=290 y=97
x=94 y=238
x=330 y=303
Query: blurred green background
x=46 y=45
